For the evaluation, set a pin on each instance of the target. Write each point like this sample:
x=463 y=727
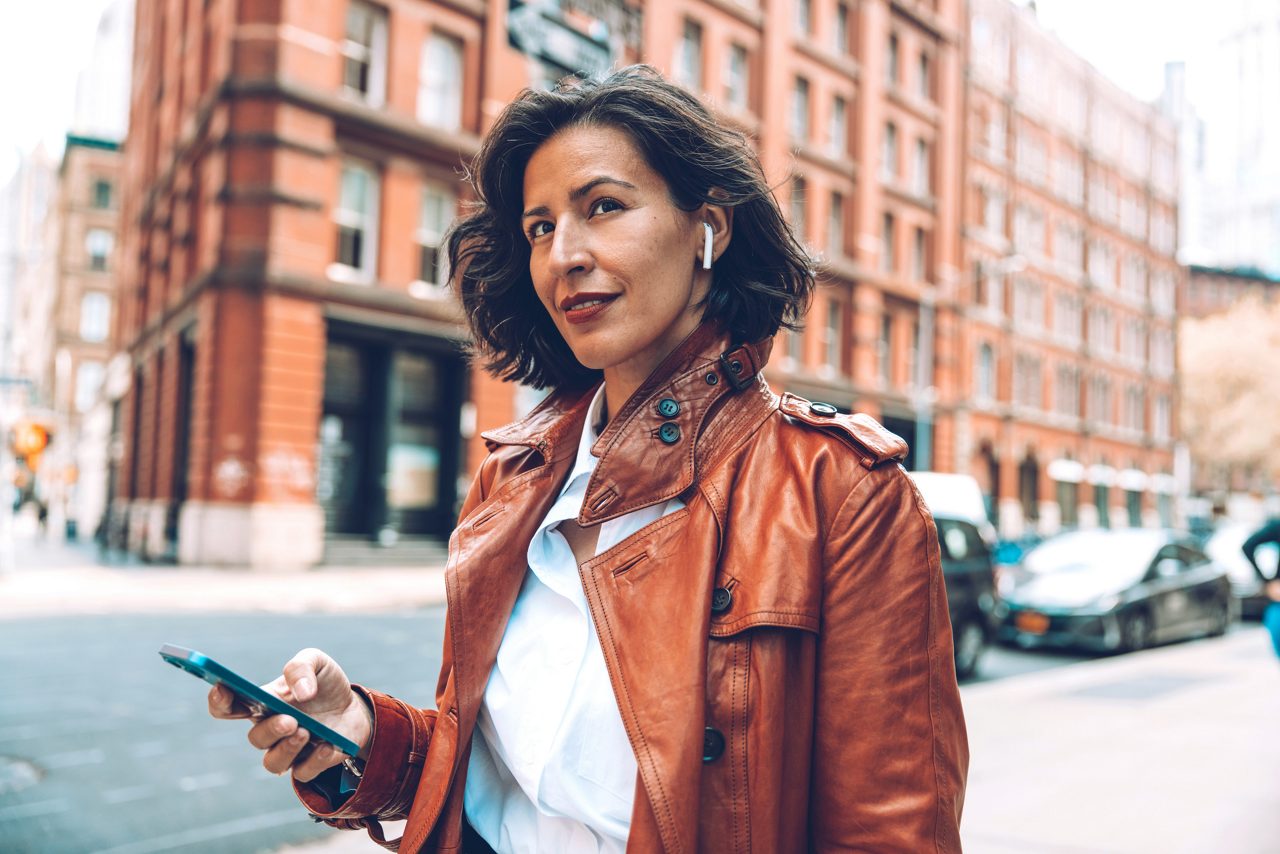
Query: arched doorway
x=1029 y=487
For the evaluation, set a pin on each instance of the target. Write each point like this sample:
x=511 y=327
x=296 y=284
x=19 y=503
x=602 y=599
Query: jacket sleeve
x=401 y=738
x=890 y=749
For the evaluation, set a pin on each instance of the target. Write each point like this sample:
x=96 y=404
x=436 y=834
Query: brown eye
x=602 y=206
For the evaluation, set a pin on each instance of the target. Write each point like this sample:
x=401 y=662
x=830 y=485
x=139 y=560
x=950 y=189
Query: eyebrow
x=543 y=210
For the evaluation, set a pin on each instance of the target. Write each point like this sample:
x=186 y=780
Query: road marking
x=72 y=758
x=129 y=793
x=204 y=781
x=33 y=809
x=221 y=830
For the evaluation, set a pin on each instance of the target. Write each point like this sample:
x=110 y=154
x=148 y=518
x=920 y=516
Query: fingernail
x=303 y=689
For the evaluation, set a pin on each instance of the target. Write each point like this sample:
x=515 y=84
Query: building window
x=440 y=82
x=1162 y=418
x=891 y=63
x=95 y=317
x=804 y=17
x=88 y=380
x=737 y=78
x=99 y=243
x=1067 y=392
x=797 y=209
x=993 y=210
x=921 y=171
x=364 y=53
x=886 y=244
x=1102 y=501
x=835 y=226
x=839 y=128
x=985 y=382
x=102 y=194
x=919 y=256
x=841 y=33
x=689 y=56
x=835 y=324
x=795 y=346
x=924 y=88
x=357 y=220
x=438 y=209
x=884 y=352
x=889 y=153
x=800 y=111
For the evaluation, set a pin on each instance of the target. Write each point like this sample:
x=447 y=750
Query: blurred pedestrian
x=684 y=613
x=1268 y=533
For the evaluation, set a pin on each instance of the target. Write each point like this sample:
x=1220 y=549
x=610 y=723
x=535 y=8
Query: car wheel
x=1135 y=632
x=970 y=641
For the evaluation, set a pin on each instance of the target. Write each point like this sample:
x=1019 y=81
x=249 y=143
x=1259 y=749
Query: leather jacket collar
x=690 y=407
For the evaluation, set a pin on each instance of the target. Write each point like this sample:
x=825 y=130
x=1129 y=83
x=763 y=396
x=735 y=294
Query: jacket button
x=712 y=745
x=721 y=599
x=669 y=433
x=668 y=408
x=824 y=409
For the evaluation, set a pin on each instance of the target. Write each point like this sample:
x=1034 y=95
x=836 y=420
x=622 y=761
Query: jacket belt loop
x=748 y=366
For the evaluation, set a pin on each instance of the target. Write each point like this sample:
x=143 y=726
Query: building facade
x=297 y=371
x=1068 y=352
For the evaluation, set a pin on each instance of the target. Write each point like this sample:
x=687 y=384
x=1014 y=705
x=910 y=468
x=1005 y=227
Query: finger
x=279 y=758
x=321 y=758
x=222 y=704
x=266 y=733
x=302 y=673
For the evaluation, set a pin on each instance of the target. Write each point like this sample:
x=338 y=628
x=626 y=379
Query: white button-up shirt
x=551 y=768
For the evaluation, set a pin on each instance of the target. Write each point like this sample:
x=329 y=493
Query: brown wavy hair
x=762 y=281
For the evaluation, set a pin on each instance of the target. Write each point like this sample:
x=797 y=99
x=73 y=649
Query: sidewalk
x=51 y=578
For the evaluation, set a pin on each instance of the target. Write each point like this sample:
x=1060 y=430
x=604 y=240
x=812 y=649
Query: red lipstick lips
x=583 y=307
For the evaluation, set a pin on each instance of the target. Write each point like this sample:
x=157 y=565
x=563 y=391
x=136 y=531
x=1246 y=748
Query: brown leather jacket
x=779 y=649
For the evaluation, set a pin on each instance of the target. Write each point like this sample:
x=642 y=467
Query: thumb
x=301 y=673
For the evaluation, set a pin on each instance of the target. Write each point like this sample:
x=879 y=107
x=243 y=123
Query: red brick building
x=290 y=172
x=1068 y=357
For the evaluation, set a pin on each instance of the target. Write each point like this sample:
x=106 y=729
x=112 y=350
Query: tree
x=1230 y=366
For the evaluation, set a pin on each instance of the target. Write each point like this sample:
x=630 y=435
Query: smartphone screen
x=260 y=703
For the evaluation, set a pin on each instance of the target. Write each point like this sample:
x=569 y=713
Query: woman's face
x=613 y=260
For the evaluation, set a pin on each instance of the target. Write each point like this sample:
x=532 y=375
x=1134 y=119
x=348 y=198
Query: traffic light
x=27 y=440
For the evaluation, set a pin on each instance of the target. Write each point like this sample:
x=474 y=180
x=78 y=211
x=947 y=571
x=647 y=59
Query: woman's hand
x=1273 y=590
x=314 y=683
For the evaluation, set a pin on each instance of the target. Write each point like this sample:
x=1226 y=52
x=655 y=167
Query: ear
x=721 y=220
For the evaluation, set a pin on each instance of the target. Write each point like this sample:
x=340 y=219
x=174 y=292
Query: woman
x=684 y=614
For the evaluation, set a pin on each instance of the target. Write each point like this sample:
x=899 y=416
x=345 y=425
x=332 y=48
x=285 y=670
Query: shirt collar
x=585 y=462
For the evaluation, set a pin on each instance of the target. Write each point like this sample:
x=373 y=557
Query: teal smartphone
x=259 y=702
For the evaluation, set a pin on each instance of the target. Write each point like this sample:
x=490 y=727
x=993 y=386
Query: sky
x=45 y=43
x=43 y=46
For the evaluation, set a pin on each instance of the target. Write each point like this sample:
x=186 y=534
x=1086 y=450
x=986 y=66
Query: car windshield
x=1128 y=551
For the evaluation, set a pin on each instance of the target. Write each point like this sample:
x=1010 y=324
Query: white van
x=957 y=496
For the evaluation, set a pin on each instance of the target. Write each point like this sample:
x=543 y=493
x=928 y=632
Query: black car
x=971 y=591
x=1114 y=591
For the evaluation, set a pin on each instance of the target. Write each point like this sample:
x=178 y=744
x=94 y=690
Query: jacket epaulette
x=875 y=444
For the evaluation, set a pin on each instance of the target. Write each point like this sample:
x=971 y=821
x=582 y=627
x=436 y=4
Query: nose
x=570 y=250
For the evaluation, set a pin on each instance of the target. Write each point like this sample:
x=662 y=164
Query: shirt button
x=824 y=409
x=669 y=433
x=712 y=744
x=668 y=408
x=721 y=599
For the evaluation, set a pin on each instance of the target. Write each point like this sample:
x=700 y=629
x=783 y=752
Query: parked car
x=1223 y=545
x=1114 y=591
x=965 y=539
x=969 y=575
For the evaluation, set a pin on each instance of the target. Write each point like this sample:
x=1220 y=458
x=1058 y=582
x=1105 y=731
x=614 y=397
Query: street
x=123 y=759
x=104 y=748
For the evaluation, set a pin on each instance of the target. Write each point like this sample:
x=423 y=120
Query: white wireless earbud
x=706 y=246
